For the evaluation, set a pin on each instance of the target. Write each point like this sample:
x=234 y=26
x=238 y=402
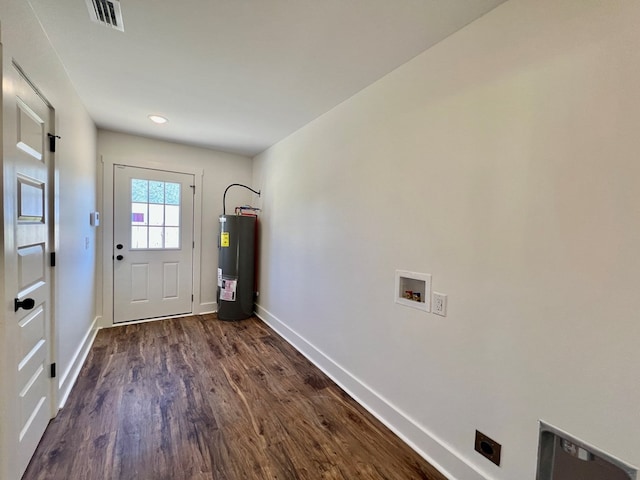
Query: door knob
x=119 y=246
x=27 y=304
x=119 y=257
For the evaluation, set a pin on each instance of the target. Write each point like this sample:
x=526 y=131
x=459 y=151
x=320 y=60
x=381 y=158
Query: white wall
x=76 y=239
x=74 y=276
x=504 y=161
x=216 y=169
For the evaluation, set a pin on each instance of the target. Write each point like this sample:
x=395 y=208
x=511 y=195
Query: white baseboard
x=427 y=445
x=102 y=322
x=204 y=308
x=70 y=375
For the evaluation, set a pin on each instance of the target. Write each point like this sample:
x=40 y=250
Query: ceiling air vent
x=106 y=12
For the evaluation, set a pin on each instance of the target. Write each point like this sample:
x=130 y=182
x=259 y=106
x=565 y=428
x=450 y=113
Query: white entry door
x=153 y=243
x=26 y=332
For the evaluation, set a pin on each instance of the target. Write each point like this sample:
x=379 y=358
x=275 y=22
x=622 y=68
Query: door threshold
x=154 y=319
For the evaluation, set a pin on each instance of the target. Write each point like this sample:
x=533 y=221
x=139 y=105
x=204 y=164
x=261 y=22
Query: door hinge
x=52 y=142
x=53 y=370
x=194 y=188
x=52 y=260
x=193 y=244
x=192 y=297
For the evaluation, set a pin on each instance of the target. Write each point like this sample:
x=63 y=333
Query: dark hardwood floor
x=198 y=398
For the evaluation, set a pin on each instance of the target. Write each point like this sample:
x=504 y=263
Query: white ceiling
x=239 y=75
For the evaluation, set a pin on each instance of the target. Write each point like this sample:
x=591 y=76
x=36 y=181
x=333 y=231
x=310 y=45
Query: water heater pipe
x=224 y=196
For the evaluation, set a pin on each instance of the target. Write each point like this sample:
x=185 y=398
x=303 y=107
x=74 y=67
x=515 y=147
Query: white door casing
x=152 y=243
x=27 y=389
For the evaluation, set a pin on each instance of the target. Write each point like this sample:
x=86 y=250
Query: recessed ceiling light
x=157 y=119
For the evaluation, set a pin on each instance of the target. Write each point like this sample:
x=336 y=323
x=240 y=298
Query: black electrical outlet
x=488 y=448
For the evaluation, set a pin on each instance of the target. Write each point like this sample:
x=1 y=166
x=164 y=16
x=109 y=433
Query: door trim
x=107 y=164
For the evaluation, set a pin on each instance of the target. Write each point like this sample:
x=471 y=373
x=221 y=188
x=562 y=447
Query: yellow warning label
x=224 y=239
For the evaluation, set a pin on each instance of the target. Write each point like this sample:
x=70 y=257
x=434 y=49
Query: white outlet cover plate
x=439 y=304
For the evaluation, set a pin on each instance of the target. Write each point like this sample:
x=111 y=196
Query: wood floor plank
x=200 y=399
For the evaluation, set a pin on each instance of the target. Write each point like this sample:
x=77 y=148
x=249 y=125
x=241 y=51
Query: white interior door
x=153 y=243
x=27 y=329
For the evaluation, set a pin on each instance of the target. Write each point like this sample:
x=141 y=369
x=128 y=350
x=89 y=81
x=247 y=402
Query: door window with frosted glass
x=155 y=215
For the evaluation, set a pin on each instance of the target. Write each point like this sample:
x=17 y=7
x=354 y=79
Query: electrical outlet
x=487 y=447
x=439 y=304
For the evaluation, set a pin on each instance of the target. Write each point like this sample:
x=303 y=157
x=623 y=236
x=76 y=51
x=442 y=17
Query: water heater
x=236 y=262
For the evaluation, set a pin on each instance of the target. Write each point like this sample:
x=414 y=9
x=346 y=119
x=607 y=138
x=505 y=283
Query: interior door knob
x=119 y=246
x=119 y=257
x=27 y=304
